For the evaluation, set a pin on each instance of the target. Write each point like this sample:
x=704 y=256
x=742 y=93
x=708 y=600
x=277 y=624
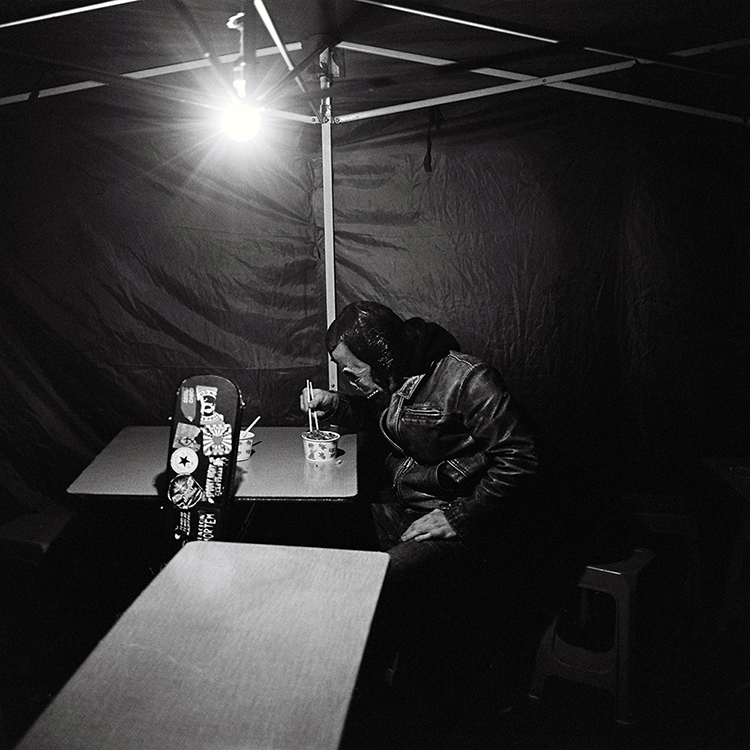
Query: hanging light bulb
x=240 y=121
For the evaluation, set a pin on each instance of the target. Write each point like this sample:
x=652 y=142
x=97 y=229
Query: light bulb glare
x=241 y=122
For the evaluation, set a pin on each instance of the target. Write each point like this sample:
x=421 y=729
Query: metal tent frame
x=325 y=117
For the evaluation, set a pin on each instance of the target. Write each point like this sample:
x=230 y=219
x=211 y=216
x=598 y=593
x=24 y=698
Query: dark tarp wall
x=596 y=252
x=137 y=251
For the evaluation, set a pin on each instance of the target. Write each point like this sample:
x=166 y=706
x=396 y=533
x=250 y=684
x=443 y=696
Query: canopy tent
x=694 y=55
x=547 y=180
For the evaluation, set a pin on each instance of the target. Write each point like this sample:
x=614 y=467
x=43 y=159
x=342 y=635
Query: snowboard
x=203 y=442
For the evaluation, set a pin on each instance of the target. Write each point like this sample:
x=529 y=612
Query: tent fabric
x=595 y=252
x=573 y=251
x=129 y=266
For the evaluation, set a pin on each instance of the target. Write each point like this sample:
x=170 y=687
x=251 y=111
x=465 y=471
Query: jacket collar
x=406 y=391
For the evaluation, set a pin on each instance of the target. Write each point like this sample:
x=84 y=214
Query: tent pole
x=328 y=234
x=69 y=12
x=153 y=72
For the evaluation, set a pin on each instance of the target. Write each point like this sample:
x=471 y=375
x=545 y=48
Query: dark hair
x=374 y=334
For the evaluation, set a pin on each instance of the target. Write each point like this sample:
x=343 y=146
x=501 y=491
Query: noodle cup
x=245 y=449
x=320 y=445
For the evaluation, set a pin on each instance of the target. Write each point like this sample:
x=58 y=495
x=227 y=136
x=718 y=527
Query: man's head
x=367 y=340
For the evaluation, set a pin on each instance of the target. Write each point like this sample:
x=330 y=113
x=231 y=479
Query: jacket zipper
x=405 y=466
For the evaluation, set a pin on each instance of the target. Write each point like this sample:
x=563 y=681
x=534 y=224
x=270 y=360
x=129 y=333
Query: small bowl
x=320 y=446
x=245 y=449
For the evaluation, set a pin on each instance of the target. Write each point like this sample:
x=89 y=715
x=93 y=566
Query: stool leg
x=543 y=658
x=623 y=712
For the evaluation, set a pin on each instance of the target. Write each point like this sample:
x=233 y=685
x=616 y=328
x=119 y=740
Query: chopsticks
x=311 y=416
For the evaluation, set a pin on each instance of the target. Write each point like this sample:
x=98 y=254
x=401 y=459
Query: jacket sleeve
x=507 y=444
x=354 y=412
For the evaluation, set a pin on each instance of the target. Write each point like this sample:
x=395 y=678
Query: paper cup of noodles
x=245 y=448
x=320 y=445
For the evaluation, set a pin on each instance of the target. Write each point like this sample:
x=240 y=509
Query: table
x=131 y=465
x=230 y=646
x=734 y=472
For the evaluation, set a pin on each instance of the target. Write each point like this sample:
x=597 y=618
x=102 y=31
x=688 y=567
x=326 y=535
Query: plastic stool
x=610 y=669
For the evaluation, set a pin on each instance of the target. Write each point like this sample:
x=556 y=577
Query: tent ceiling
x=693 y=54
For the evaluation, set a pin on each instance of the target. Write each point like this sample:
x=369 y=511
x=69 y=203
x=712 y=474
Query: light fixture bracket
x=239 y=82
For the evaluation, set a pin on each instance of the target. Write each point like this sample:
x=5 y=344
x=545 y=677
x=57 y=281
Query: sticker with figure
x=206 y=395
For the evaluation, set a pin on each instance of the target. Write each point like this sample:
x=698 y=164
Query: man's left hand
x=434 y=525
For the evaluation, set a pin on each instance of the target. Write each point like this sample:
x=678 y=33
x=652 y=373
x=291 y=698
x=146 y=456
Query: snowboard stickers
x=203 y=446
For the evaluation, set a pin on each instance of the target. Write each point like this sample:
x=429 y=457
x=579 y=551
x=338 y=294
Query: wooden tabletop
x=131 y=465
x=231 y=646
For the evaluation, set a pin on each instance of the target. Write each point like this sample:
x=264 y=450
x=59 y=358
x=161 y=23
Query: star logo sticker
x=184 y=460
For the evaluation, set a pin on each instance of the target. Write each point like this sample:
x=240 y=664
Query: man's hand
x=432 y=526
x=322 y=402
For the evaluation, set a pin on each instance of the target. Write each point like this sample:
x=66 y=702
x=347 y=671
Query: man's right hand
x=322 y=402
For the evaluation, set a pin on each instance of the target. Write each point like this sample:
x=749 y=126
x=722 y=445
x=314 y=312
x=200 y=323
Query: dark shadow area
x=53 y=614
x=461 y=681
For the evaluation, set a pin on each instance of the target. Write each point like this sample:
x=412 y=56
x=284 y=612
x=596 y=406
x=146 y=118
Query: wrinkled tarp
x=596 y=254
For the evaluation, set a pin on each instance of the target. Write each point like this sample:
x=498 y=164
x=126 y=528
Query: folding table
x=131 y=465
x=230 y=646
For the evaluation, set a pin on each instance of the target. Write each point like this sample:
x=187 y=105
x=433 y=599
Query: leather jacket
x=458 y=444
